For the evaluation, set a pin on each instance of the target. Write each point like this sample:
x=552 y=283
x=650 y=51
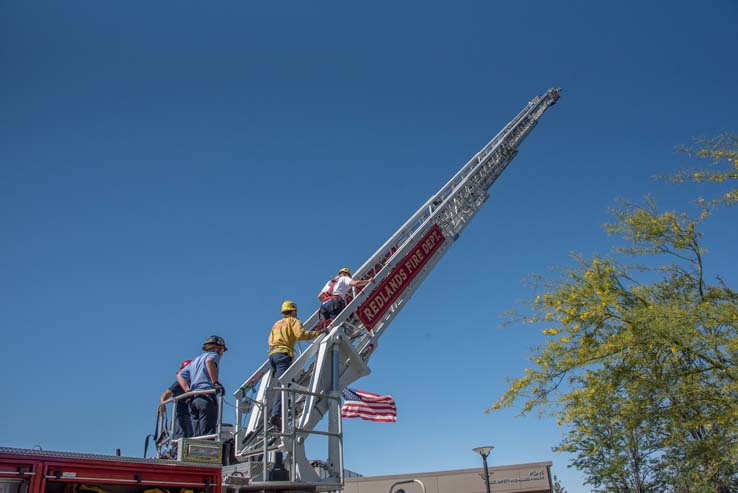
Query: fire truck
x=251 y=454
x=39 y=471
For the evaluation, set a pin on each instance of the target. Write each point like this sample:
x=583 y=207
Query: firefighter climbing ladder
x=337 y=358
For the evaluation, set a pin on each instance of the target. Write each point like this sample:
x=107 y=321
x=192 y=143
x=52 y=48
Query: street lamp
x=484 y=452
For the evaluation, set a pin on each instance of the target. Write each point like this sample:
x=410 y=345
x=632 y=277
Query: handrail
x=288 y=395
x=189 y=394
x=174 y=400
x=195 y=393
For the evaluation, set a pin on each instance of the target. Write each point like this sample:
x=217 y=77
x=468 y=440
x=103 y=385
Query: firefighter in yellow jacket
x=285 y=333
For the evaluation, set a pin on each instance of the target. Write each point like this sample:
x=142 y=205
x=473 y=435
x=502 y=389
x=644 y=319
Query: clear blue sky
x=171 y=170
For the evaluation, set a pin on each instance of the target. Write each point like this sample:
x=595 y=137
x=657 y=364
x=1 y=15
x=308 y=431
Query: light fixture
x=484 y=452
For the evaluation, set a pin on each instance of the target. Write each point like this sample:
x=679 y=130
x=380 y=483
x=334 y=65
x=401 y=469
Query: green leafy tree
x=615 y=445
x=557 y=487
x=641 y=359
x=721 y=155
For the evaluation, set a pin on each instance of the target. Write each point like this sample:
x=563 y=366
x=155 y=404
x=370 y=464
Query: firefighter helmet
x=288 y=306
x=214 y=341
x=345 y=270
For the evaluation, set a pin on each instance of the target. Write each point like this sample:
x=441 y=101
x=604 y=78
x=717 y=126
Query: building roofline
x=448 y=472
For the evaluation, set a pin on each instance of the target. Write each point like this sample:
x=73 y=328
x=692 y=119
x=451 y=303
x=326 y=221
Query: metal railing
x=165 y=437
x=290 y=432
x=195 y=393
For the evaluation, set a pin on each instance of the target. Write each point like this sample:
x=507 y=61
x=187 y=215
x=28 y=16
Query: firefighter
x=333 y=295
x=183 y=427
x=202 y=374
x=282 y=338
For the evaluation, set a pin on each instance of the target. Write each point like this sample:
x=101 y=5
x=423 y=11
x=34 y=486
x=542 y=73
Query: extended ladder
x=334 y=360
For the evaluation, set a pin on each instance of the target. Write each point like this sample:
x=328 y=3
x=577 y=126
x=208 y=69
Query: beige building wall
x=520 y=478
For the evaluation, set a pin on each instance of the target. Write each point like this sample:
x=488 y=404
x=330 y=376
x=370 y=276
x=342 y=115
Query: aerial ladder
x=312 y=386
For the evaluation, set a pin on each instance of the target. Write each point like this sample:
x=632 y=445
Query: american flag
x=368 y=406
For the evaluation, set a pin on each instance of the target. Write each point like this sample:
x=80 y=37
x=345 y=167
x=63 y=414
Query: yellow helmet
x=345 y=270
x=288 y=306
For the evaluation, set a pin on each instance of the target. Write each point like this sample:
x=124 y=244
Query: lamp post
x=484 y=452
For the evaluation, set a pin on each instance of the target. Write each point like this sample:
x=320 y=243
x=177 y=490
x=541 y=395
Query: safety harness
x=328 y=295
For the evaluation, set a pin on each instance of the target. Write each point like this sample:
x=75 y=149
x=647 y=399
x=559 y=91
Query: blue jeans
x=280 y=362
x=331 y=308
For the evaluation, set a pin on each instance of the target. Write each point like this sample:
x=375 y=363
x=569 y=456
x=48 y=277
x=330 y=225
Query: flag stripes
x=368 y=406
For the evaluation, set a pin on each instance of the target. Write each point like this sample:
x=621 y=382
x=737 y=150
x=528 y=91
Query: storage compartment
x=66 y=487
x=36 y=471
x=12 y=485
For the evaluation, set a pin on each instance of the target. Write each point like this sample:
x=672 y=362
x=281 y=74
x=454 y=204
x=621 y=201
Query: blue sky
x=174 y=170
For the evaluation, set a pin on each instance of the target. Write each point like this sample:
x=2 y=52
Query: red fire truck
x=41 y=471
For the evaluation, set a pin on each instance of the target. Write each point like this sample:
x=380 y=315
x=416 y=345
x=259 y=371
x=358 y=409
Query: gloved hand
x=219 y=389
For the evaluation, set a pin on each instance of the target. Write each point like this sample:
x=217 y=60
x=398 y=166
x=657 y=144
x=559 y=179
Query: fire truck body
x=41 y=471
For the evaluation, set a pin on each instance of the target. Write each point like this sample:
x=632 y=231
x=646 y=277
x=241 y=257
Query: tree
x=721 y=154
x=557 y=487
x=614 y=445
x=641 y=359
